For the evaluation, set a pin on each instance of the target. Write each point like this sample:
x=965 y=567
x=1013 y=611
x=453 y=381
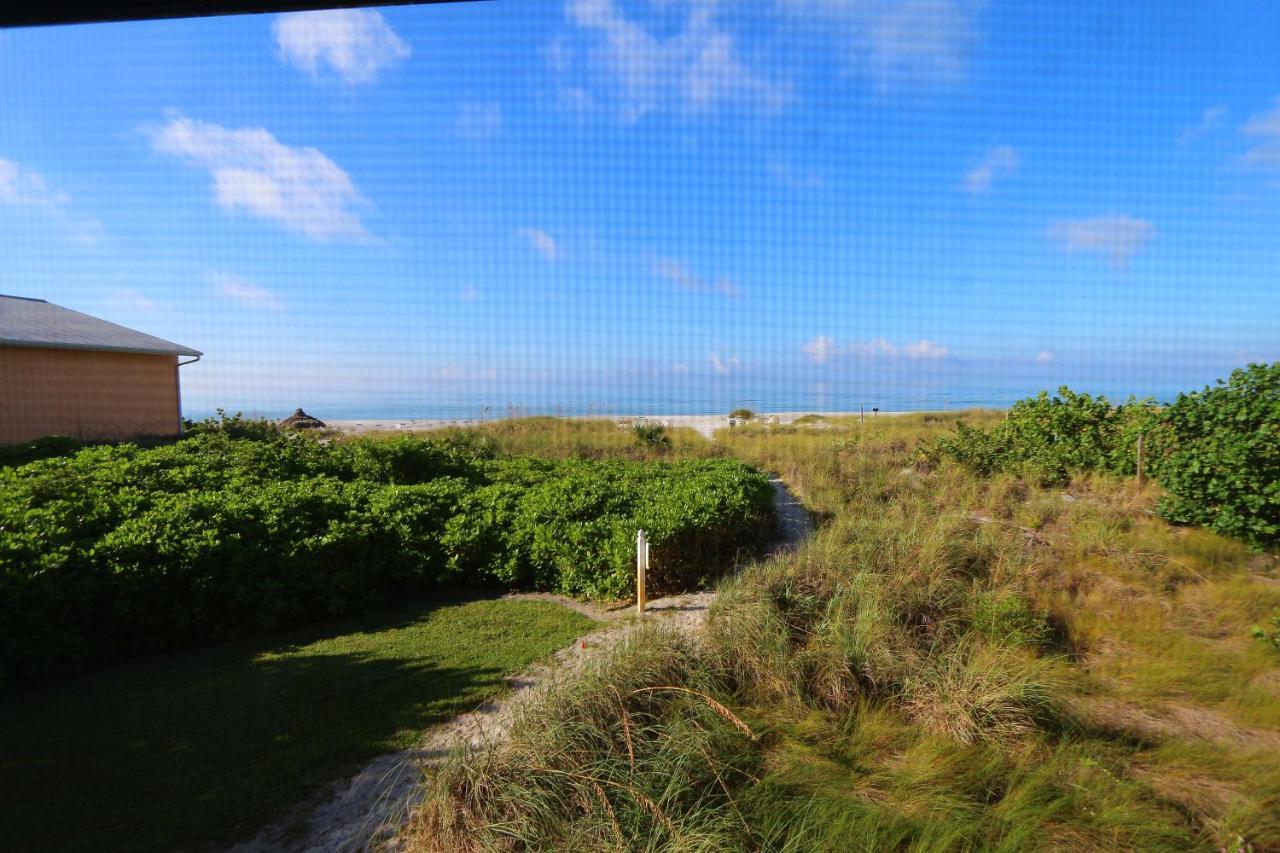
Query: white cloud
x=228 y=285
x=680 y=368
x=900 y=44
x=131 y=299
x=21 y=187
x=820 y=350
x=823 y=349
x=1118 y=237
x=872 y=349
x=924 y=349
x=577 y=100
x=678 y=272
x=478 y=121
x=999 y=162
x=542 y=242
x=722 y=366
x=469 y=294
x=1209 y=119
x=355 y=44
x=1264 y=130
x=1044 y=357
x=300 y=188
x=694 y=69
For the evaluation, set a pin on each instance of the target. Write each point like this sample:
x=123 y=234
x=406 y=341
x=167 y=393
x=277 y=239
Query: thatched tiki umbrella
x=301 y=420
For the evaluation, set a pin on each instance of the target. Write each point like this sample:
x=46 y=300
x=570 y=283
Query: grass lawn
x=208 y=745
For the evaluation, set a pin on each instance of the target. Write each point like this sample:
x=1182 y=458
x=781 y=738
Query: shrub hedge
x=118 y=550
x=1216 y=452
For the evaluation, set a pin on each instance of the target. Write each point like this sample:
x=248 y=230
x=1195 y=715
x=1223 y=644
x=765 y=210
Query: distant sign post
x=642 y=568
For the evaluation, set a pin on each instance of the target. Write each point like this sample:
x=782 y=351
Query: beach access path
x=367 y=811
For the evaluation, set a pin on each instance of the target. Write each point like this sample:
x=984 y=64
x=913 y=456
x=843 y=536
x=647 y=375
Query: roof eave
x=175 y=350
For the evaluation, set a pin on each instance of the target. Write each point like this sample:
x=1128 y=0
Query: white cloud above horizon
x=1117 y=236
x=1000 y=161
x=469 y=295
x=299 y=188
x=823 y=349
x=356 y=45
x=820 y=349
x=694 y=70
x=899 y=44
x=541 y=242
x=239 y=289
x=678 y=272
x=1263 y=131
x=21 y=187
x=924 y=349
x=723 y=366
x=131 y=299
x=1209 y=120
x=1044 y=357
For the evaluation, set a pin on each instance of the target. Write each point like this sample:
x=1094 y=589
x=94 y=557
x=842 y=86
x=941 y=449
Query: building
x=66 y=373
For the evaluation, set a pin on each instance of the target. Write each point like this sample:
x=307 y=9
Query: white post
x=642 y=565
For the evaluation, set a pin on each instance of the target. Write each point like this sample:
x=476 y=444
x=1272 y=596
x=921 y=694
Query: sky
x=648 y=205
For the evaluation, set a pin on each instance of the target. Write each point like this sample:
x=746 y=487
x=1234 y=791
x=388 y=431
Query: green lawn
x=209 y=745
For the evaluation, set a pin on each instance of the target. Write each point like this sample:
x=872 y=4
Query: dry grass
x=951 y=662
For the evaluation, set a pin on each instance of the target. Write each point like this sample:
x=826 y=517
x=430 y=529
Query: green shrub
x=235 y=426
x=1044 y=439
x=1216 y=452
x=118 y=549
x=652 y=436
x=742 y=414
x=1219 y=456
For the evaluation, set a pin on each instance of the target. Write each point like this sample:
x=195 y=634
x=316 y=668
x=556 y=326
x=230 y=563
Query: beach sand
x=704 y=424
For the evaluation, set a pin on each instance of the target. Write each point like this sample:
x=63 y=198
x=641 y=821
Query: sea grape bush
x=117 y=550
x=1216 y=452
x=1045 y=438
x=1220 y=456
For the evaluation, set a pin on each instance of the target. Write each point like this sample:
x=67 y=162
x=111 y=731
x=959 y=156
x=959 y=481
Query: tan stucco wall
x=85 y=394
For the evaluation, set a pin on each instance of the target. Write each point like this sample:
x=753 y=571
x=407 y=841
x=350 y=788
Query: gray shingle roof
x=36 y=323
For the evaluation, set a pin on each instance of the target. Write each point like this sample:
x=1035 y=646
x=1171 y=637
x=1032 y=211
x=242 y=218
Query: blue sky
x=658 y=203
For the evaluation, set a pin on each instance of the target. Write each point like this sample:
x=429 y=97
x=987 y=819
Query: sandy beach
x=704 y=424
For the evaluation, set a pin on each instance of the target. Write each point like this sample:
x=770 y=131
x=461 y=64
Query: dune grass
x=181 y=749
x=560 y=438
x=952 y=662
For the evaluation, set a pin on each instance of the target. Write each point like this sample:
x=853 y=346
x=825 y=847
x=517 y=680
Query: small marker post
x=642 y=566
x=1140 y=454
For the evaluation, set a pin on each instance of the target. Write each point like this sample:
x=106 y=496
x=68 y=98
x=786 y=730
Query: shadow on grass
x=202 y=746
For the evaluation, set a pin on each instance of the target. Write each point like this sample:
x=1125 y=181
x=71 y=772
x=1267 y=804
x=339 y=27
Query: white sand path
x=366 y=811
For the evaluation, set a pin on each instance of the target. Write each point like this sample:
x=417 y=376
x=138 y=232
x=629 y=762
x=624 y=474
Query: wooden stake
x=1140 y=473
x=642 y=566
